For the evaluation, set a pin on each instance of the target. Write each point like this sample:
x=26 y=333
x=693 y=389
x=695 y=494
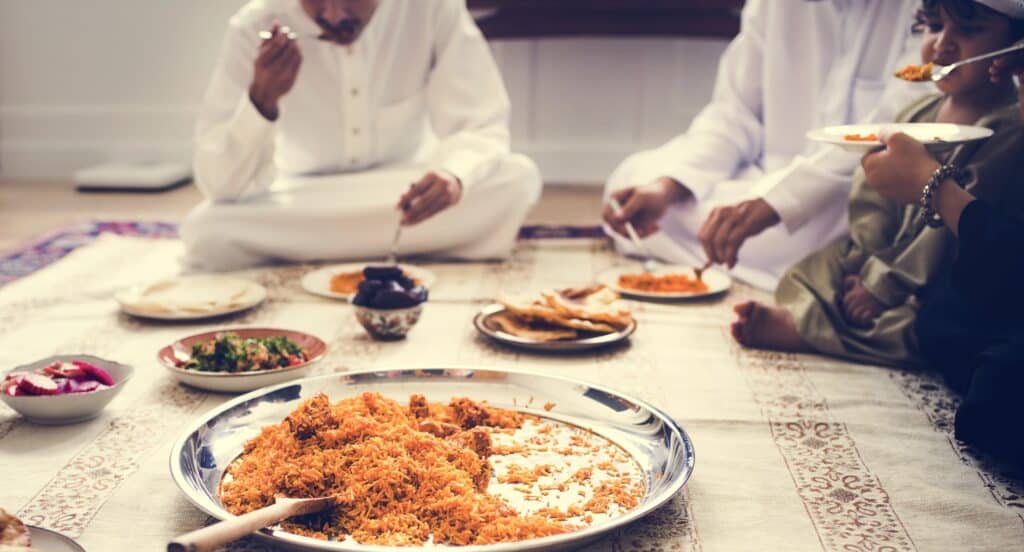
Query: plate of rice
x=482 y=460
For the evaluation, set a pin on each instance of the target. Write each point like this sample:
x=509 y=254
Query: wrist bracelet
x=941 y=174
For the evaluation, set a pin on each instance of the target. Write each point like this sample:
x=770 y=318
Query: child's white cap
x=1010 y=8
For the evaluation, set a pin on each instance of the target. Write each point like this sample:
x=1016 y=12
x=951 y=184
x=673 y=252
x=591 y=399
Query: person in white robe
x=328 y=123
x=744 y=186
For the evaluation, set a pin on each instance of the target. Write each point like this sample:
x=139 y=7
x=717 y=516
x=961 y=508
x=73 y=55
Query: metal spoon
x=699 y=271
x=650 y=265
x=231 y=529
x=940 y=72
x=393 y=252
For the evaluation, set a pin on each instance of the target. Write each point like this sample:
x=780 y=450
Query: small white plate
x=936 y=136
x=191 y=297
x=51 y=541
x=318 y=282
x=717 y=281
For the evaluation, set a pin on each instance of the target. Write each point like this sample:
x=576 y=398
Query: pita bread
x=532 y=311
x=194 y=294
x=596 y=304
x=512 y=324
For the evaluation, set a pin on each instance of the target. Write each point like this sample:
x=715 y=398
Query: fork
x=940 y=72
x=650 y=265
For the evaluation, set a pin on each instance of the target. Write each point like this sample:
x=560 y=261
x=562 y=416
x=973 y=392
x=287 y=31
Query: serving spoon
x=940 y=72
x=210 y=538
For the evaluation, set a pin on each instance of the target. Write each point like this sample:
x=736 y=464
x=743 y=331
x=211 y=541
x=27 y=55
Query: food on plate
x=230 y=353
x=387 y=287
x=12 y=532
x=662 y=283
x=563 y=314
x=915 y=73
x=408 y=475
x=518 y=326
x=193 y=295
x=57 y=378
x=347 y=283
x=861 y=137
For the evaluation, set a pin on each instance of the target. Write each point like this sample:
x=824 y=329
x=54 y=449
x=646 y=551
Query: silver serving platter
x=484 y=326
x=660 y=447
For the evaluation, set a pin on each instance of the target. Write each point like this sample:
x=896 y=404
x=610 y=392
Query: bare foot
x=764 y=327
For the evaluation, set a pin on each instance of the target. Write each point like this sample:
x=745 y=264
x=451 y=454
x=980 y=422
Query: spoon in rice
x=214 y=536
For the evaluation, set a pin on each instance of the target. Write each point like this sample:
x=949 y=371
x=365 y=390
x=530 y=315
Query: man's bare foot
x=764 y=327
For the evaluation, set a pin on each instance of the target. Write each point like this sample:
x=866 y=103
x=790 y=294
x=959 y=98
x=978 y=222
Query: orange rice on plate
x=400 y=475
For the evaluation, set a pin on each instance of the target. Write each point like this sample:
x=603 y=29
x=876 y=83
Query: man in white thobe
x=745 y=165
x=330 y=122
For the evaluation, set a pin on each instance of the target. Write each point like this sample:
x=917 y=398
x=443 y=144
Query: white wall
x=83 y=82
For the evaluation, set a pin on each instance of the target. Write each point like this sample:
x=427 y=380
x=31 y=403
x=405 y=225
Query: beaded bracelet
x=941 y=174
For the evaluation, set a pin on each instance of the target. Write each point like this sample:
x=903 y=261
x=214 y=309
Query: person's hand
x=274 y=72
x=644 y=206
x=900 y=171
x=726 y=228
x=860 y=308
x=1004 y=66
x=435 y=192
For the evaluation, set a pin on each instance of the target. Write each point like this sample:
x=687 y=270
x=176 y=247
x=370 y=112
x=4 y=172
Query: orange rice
x=915 y=73
x=860 y=137
x=395 y=484
x=666 y=283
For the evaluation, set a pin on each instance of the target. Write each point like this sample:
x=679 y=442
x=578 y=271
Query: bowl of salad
x=63 y=389
x=243 y=359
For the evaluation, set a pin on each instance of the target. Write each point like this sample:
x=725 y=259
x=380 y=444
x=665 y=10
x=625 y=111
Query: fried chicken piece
x=418 y=406
x=439 y=429
x=478 y=439
x=468 y=414
x=12 y=531
x=312 y=416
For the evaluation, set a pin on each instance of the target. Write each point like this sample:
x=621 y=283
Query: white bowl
x=388 y=324
x=239 y=382
x=72 y=407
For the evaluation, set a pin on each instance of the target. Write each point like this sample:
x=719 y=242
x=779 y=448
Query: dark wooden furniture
x=510 y=19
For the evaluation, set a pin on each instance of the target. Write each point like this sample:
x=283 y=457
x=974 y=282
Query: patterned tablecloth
x=793 y=452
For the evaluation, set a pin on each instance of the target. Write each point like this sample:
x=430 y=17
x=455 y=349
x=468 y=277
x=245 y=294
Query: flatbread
x=533 y=311
x=194 y=295
x=511 y=324
x=13 y=532
x=598 y=304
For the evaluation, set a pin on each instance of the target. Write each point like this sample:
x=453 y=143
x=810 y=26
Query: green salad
x=230 y=353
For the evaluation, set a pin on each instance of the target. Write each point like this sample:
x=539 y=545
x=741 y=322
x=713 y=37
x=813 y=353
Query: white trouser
x=353 y=216
x=763 y=259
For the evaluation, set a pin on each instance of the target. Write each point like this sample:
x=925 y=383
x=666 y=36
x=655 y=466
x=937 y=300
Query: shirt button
x=355 y=131
x=354 y=161
x=355 y=92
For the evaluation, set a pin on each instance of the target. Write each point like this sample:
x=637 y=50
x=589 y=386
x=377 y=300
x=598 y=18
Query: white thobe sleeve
x=728 y=131
x=466 y=98
x=809 y=184
x=234 y=143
